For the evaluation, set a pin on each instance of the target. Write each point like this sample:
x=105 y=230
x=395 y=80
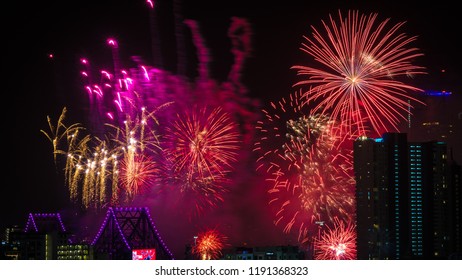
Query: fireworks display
x=201 y=149
x=337 y=242
x=360 y=63
x=305 y=145
x=310 y=172
x=144 y=136
x=101 y=172
x=209 y=244
x=204 y=144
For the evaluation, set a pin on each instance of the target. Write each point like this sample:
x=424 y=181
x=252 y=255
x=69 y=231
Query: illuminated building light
x=437 y=93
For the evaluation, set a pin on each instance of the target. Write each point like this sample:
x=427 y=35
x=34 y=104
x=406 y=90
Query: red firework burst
x=201 y=147
x=359 y=66
x=336 y=243
x=310 y=171
x=204 y=143
x=209 y=244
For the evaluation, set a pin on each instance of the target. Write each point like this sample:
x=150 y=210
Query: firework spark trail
x=66 y=142
x=136 y=152
x=140 y=149
x=96 y=172
x=337 y=242
x=93 y=173
x=117 y=96
x=310 y=171
x=87 y=170
x=209 y=245
x=60 y=132
x=359 y=66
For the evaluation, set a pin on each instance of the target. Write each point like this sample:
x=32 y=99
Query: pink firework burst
x=336 y=243
x=360 y=62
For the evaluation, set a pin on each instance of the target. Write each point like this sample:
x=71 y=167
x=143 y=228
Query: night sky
x=37 y=87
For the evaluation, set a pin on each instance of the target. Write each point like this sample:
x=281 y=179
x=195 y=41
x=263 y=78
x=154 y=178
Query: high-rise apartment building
x=455 y=213
x=380 y=171
x=405 y=209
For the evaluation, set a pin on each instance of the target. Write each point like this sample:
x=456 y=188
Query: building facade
x=405 y=207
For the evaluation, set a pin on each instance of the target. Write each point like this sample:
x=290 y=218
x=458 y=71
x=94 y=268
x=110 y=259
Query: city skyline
x=44 y=86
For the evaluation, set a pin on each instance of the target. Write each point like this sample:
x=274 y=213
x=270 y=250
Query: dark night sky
x=38 y=87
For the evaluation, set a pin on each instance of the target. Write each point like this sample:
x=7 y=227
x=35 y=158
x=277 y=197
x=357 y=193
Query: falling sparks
x=310 y=170
x=100 y=172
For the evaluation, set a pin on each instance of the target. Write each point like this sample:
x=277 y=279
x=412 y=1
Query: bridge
x=125 y=229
